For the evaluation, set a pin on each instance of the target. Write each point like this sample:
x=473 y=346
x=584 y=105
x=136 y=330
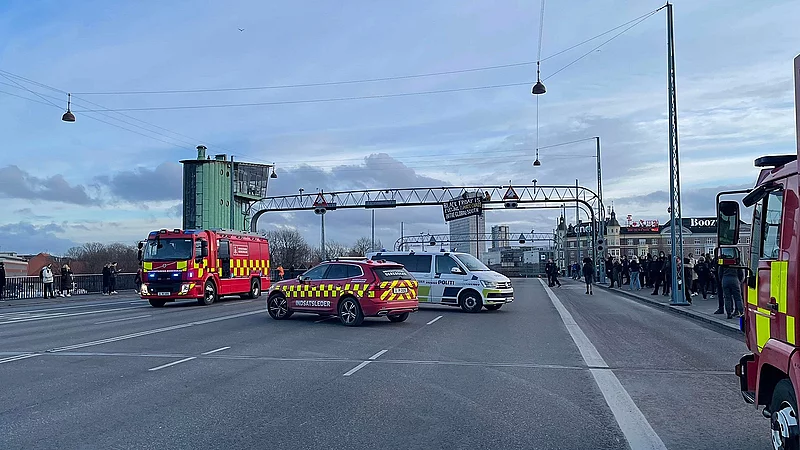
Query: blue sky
x=63 y=184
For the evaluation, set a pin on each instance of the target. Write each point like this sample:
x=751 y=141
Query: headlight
x=185 y=288
x=145 y=291
x=489 y=284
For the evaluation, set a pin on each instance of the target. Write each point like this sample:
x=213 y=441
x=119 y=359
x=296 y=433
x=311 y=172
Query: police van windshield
x=472 y=263
x=168 y=250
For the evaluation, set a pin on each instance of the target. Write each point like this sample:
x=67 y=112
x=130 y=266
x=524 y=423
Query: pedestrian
x=46 y=275
x=588 y=274
x=2 y=280
x=551 y=270
x=635 y=268
x=668 y=262
x=644 y=271
x=732 y=289
x=626 y=273
x=137 y=280
x=688 y=270
x=701 y=270
x=112 y=279
x=609 y=270
x=657 y=273
x=66 y=281
x=106 y=278
x=280 y=273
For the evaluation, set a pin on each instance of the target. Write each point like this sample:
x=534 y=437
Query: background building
x=16 y=265
x=518 y=261
x=463 y=233
x=500 y=236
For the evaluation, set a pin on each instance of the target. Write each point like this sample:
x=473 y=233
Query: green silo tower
x=209 y=190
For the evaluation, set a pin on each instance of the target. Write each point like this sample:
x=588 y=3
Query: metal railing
x=33 y=287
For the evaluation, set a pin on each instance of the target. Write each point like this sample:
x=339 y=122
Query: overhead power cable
x=379 y=79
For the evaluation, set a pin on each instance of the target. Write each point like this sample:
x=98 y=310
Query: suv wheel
x=470 y=301
x=398 y=317
x=278 y=307
x=350 y=313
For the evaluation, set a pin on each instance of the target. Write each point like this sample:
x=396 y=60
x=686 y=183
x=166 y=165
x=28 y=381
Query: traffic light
x=600 y=245
x=510 y=204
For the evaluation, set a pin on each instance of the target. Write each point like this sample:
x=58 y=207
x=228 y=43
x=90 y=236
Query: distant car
x=349 y=289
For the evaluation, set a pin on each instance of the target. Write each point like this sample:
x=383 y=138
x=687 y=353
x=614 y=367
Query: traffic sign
x=320 y=201
x=511 y=194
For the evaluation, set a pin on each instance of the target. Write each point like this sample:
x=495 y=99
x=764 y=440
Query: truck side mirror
x=302 y=279
x=204 y=248
x=728 y=222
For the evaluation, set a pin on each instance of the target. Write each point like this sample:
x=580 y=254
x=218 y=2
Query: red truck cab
x=770 y=375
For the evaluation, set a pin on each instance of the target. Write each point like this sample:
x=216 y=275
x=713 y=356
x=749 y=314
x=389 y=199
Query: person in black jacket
x=701 y=268
x=112 y=278
x=66 y=281
x=588 y=274
x=2 y=280
x=657 y=272
x=635 y=268
x=106 y=279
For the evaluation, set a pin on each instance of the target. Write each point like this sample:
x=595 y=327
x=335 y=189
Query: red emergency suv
x=349 y=289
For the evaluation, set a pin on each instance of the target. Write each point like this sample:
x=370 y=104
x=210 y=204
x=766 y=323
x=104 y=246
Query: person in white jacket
x=47 y=279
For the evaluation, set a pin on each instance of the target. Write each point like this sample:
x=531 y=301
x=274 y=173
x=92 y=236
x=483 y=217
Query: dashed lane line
x=434 y=320
x=62 y=315
x=210 y=352
x=18 y=357
x=149 y=332
x=172 y=363
x=634 y=425
x=364 y=363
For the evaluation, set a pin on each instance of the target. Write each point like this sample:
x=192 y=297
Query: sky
x=112 y=176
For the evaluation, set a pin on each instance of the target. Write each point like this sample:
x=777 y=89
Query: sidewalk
x=702 y=310
x=38 y=301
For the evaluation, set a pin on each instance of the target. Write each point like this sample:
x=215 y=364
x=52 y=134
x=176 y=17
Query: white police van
x=451 y=278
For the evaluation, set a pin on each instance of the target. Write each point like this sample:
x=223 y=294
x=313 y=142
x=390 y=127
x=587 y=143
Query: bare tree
x=363 y=246
x=93 y=255
x=288 y=248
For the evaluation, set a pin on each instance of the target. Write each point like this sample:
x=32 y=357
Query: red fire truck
x=770 y=375
x=203 y=265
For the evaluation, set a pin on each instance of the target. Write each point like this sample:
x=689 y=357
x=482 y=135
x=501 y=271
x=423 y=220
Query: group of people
x=699 y=276
x=67 y=281
x=110 y=278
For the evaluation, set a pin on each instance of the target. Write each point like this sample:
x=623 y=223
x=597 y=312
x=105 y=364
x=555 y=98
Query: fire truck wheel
x=398 y=317
x=278 y=307
x=350 y=313
x=255 y=288
x=470 y=301
x=783 y=420
x=209 y=294
x=493 y=307
x=157 y=303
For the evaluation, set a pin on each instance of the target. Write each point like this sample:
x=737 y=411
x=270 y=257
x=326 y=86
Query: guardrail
x=32 y=287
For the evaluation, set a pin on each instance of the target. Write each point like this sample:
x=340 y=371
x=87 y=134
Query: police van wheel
x=470 y=302
x=209 y=294
x=783 y=420
x=255 y=289
x=350 y=313
x=493 y=307
x=398 y=317
x=278 y=307
x=157 y=303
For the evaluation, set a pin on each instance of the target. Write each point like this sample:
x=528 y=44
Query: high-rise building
x=500 y=236
x=466 y=235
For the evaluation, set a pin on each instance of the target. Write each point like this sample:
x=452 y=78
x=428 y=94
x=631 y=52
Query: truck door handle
x=773 y=304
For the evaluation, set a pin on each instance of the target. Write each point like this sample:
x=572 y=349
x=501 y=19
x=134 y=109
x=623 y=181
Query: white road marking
x=215 y=351
x=62 y=315
x=377 y=355
x=356 y=368
x=634 y=425
x=123 y=319
x=172 y=363
x=149 y=332
x=17 y=358
x=86 y=305
x=434 y=320
x=327 y=318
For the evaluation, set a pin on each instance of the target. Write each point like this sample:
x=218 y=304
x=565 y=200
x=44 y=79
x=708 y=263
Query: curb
x=680 y=310
x=81 y=298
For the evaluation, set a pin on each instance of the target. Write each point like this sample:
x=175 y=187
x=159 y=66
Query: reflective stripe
x=762 y=327
x=181 y=265
x=777 y=283
x=147 y=265
x=790 y=333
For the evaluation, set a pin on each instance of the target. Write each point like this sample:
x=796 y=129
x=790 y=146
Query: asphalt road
x=567 y=372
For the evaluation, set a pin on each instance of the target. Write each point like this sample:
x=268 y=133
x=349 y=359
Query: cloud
x=164 y=182
x=17 y=183
x=25 y=237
